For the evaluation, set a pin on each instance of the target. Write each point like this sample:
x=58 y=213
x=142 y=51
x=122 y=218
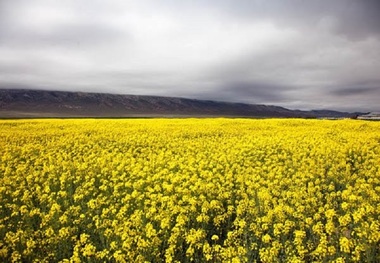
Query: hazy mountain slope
x=37 y=103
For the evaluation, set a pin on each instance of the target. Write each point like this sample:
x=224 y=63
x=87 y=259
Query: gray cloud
x=356 y=91
x=351 y=18
x=367 y=88
x=255 y=92
x=292 y=53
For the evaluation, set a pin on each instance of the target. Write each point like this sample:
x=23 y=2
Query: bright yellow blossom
x=181 y=190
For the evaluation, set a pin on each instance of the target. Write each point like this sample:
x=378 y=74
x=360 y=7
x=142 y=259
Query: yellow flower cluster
x=189 y=190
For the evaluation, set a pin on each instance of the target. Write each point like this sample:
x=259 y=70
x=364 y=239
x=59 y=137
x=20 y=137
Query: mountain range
x=17 y=103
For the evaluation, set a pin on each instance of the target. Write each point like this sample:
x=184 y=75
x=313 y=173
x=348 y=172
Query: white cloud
x=250 y=51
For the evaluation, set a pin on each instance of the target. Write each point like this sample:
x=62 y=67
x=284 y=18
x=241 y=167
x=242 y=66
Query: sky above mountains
x=291 y=53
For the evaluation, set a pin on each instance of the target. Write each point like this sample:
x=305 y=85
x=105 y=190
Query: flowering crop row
x=190 y=190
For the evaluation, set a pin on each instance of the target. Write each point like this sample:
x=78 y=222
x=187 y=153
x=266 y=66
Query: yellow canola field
x=189 y=190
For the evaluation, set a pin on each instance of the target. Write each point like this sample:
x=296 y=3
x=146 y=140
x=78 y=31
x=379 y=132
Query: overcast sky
x=292 y=53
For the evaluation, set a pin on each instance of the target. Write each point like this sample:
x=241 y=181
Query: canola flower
x=189 y=190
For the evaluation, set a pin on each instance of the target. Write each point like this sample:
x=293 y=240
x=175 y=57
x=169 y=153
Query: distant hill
x=40 y=103
x=370 y=116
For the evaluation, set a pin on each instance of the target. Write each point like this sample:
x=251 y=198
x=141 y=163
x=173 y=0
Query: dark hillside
x=38 y=103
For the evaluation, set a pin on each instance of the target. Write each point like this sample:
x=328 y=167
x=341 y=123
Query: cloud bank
x=292 y=53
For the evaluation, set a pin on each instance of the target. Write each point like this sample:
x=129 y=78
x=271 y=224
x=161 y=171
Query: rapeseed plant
x=189 y=190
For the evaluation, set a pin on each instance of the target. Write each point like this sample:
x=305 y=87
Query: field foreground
x=190 y=190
